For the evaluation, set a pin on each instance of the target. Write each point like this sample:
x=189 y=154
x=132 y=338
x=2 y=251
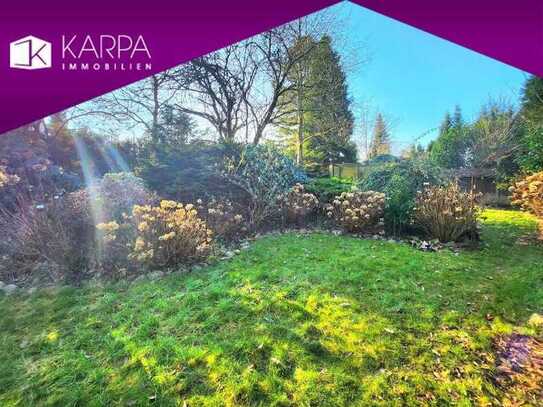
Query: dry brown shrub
x=358 y=211
x=447 y=213
x=297 y=204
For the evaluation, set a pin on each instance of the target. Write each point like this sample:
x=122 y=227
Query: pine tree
x=457 y=120
x=451 y=146
x=532 y=100
x=321 y=126
x=446 y=124
x=530 y=155
x=61 y=145
x=175 y=127
x=380 y=143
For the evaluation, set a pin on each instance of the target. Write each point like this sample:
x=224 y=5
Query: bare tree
x=494 y=134
x=216 y=87
x=243 y=86
x=240 y=87
x=284 y=53
x=365 y=118
x=136 y=105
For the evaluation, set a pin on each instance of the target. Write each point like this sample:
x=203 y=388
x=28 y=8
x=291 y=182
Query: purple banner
x=173 y=32
x=57 y=54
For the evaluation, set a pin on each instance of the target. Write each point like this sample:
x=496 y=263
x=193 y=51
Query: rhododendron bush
x=262 y=173
x=297 y=204
x=358 y=211
x=222 y=218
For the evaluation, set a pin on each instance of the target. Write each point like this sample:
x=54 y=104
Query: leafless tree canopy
x=238 y=91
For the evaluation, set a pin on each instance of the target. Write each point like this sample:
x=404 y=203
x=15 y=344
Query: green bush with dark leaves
x=399 y=181
x=187 y=173
x=325 y=189
x=261 y=174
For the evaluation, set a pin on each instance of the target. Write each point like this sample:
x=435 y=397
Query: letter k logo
x=30 y=53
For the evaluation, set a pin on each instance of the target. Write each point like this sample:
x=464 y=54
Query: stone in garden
x=180 y=270
x=139 y=278
x=155 y=275
x=45 y=271
x=1 y=285
x=9 y=288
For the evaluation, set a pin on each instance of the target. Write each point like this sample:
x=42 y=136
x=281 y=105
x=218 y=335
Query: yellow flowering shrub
x=528 y=194
x=109 y=230
x=168 y=234
x=447 y=213
x=7 y=179
x=222 y=218
x=114 y=244
x=358 y=211
x=297 y=204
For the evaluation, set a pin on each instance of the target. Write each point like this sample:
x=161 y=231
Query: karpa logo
x=30 y=53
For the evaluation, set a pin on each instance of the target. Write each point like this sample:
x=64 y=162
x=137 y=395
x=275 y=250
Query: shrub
x=115 y=243
x=25 y=153
x=399 y=181
x=188 y=173
x=262 y=173
x=358 y=211
x=117 y=193
x=326 y=189
x=7 y=179
x=59 y=233
x=9 y=185
x=297 y=204
x=169 y=234
x=530 y=158
x=447 y=213
x=222 y=218
x=112 y=198
x=528 y=194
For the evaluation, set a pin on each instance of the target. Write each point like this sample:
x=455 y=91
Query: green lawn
x=294 y=320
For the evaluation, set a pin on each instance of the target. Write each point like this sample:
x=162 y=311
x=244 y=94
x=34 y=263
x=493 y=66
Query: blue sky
x=413 y=77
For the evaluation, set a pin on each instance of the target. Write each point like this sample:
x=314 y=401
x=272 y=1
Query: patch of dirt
x=519 y=368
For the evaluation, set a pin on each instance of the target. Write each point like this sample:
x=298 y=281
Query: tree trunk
x=300 y=152
x=156 y=106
